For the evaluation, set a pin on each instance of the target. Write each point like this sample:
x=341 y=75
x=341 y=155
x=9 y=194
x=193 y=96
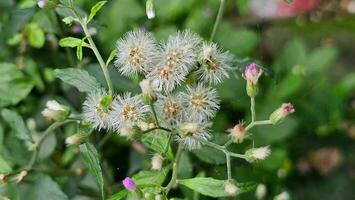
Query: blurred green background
x=308 y=48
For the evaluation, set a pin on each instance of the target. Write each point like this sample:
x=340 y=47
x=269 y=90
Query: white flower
x=230 y=188
x=136 y=53
x=157 y=162
x=128 y=111
x=170 y=108
x=260 y=191
x=97 y=109
x=214 y=64
x=165 y=78
x=256 y=154
x=201 y=102
x=55 y=111
x=282 y=196
x=191 y=131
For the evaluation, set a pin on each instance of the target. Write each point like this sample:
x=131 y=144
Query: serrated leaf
x=119 y=195
x=16 y=123
x=78 y=78
x=151 y=178
x=72 y=42
x=4 y=166
x=14 y=86
x=206 y=186
x=95 y=9
x=91 y=159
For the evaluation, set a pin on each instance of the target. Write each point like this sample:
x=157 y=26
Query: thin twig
x=218 y=20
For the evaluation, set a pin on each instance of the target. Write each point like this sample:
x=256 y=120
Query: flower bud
x=150 y=9
x=282 y=196
x=55 y=111
x=76 y=139
x=256 y=154
x=20 y=176
x=230 y=188
x=237 y=133
x=281 y=113
x=148 y=93
x=129 y=184
x=41 y=3
x=31 y=124
x=157 y=162
x=260 y=192
x=251 y=75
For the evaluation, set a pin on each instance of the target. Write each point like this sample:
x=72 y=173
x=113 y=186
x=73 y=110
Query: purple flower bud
x=252 y=73
x=77 y=29
x=129 y=184
x=41 y=3
x=281 y=113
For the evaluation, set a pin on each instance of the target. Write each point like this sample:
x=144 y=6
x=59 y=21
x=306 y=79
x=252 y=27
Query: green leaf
x=243 y=6
x=11 y=80
x=16 y=123
x=45 y=188
x=35 y=35
x=321 y=58
x=72 y=42
x=211 y=155
x=95 y=9
x=151 y=178
x=119 y=195
x=206 y=186
x=78 y=78
x=246 y=187
x=91 y=159
x=4 y=166
x=68 y=20
x=111 y=57
x=156 y=140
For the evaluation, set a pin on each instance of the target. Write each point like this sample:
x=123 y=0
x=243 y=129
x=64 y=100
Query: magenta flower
x=77 y=29
x=129 y=184
x=252 y=73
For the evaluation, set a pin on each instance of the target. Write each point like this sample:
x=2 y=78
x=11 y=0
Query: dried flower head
x=170 y=107
x=191 y=131
x=257 y=154
x=237 y=133
x=97 y=109
x=157 y=162
x=128 y=111
x=129 y=184
x=202 y=102
x=135 y=53
x=214 y=63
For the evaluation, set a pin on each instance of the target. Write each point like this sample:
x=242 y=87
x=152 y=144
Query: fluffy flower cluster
x=180 y=106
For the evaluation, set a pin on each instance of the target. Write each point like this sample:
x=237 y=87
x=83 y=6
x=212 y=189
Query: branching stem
x=175 y=169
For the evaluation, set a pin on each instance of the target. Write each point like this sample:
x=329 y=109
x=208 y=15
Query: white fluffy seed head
x=257 y=154
x=94 y=113
x=128 y=111
x=136 y=52
x=202 y=102
x=170 y=108
x=230 y=188
x=191 y=131
x=166 y=78
x=214 y=64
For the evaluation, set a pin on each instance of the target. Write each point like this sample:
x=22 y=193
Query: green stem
x=175 y=168
x=218 y=20
x=99 y=57
x=252 y=108
x=257 y=123
x=155 y=114
x=229 y=170
x=229 y=142
x=49 y=130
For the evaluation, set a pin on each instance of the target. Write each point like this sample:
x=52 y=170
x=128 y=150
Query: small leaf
x=71 y=42
x=95 y=9
x=119 y=195
x=68 y=20
x=35 y=35
x=79 y=51
x=91 y=159
x=111 y=57
x=78 y=78
x=206 y=186
x=16 y=123
x=4 y=166
x=151 y=178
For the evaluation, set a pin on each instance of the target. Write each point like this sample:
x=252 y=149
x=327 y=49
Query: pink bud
x=41 y=3
x=281 y=113
x=129 y=184
x=287 y=108
x=252 y=73
x=77 y=29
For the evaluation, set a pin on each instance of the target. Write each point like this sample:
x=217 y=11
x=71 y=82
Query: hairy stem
x=175 y=168
x=218 y=20
x=229 y=170
x=252 y=108
x=257 y=123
